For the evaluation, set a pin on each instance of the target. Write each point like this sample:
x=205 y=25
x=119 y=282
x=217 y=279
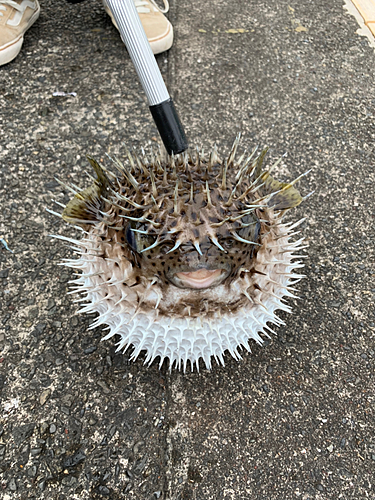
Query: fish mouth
x=202 y=278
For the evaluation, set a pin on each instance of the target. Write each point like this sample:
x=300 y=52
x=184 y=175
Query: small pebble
x=138 y=446
x=44 y=396
x=104 y=386
x=51 y=303
x=32 y=471
x=90 y=350
x=52 y=428
x=4 y=273
x=43 y=427
x=103 y=490
x=42 y=485
x=12 y=484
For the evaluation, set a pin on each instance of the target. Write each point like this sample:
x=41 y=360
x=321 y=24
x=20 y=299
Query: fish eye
x=227 y=243
x=130 y=238
x=138 y=241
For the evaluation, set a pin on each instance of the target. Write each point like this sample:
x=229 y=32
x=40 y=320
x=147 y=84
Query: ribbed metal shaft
x=135 y=39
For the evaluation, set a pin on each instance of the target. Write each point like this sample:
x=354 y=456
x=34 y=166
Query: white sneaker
x=16 y=17
x=158 y=29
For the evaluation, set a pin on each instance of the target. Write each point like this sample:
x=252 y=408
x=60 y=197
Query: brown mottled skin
x=181 y=220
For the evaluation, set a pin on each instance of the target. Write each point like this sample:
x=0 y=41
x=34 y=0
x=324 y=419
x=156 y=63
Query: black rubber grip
x=169 y=126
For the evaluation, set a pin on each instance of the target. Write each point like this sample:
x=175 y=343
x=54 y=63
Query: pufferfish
x=185 y=257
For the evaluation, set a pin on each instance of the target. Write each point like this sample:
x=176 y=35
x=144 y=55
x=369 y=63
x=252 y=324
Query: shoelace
x=11 y=3
x=140 y=6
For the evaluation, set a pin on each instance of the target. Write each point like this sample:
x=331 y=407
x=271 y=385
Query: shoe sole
x=11 y=51
x=367 y=10
x=158 y=45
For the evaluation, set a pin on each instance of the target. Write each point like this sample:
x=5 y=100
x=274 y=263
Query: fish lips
x=198 y=278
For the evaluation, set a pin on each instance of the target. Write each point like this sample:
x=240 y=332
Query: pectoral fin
x=287 y=197
x=84 y=207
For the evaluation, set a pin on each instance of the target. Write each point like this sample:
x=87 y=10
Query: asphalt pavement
x=293 y=420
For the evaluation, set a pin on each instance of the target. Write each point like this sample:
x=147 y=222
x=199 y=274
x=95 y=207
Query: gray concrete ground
x=296 y=418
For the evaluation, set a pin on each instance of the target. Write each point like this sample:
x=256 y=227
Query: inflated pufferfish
x=185 y=257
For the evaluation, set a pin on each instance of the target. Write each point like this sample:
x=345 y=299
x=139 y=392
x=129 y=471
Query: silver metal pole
x=160 y=102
